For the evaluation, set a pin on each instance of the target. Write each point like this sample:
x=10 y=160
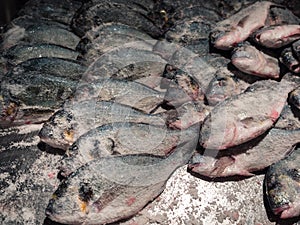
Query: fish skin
x=253 y=156
x=108 y=64
x=282 y=186
x=250 y=60
x=67 y=68
x=66 y=125
x=21 y=53
x=295 y=98
x=287 y=58
x=296 y=48
x=247 y=115
x=106 y=195
x=121 y=139
x=277 y=36
x=106 y=12
x=128 y=93
x=288 y=119
x=238 y=27
x=223 y=86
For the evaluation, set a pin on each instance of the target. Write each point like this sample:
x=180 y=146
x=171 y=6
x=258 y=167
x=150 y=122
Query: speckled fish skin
x=282 y=186
x=66 y=125
x=21 y=53
x=288 y=59
x=239 y=26
x=67 y=68
x=250 y=60
x=105 y=12
x=295 y=98
x=277 y=36
x=128 y=93
x=296 y=48
x=249 y=158
x=113 y=188
x=121 y=139
x=223 y=86
x=247 y=115
x=288 y=120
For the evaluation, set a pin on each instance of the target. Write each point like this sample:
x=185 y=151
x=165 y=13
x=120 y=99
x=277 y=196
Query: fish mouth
x=280 y=209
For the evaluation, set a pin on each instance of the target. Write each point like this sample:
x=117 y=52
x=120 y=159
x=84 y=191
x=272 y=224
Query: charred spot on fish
x=85 y=192
x=294 y=174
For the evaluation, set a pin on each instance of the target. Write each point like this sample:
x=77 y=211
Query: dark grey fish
x=32 y=97
x=21 y=53
x=66 y=125
x=64 y=68
x=247 y=115
x=223 y=86
x=108 y=64
x=288 y=59
x=128 y=93
x=105 y=12
x=109 y=189
x=295 y=98
x=56 y=10
x=146 y=4
x=296 y=48
x=121 y=138
x=282 y=183
x=249 y=157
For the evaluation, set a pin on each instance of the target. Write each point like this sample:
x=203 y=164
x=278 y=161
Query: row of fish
x=127 y=108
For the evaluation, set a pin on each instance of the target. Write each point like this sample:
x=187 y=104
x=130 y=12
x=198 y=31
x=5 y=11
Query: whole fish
x=223 y=86
x=66 y=125
x=295 y=98
x=277 y=36
x=21 y=53
x=282 y=186
x=127 y=93
x=250 y=60
x=238 y=27
x=249 y=157
x=121 y=138
x=247 y=115
x=288 y=59
x=296 y=48
x=67 y=68
x=109 y=189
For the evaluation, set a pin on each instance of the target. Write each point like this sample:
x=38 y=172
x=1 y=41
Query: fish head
x=295 y=98
x=201 y=164
x=224 y=40
x=244 y=57
x=58 y=131
x=70 y=203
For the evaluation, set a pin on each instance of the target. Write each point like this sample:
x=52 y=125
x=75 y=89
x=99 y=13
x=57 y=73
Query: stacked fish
x=133 y=90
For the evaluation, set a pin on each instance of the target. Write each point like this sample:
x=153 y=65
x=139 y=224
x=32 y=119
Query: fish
x=238 y=27
x=224 y=85
x=181 y=86
x=68 y=68
x=106 y=12
x=295 y=98
x=280 y=15
x=108 y=64
x=109 y=189
x=76 y=118
x=128 y=93
x=282 y=186
x=121 y=139
x=288 y=59
x=60 y=11
x=247 y=115
x=277 y=36
x=20 y=53
x=288 y=119
x=296 y=48
x=250 y=60
x=245 y=159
